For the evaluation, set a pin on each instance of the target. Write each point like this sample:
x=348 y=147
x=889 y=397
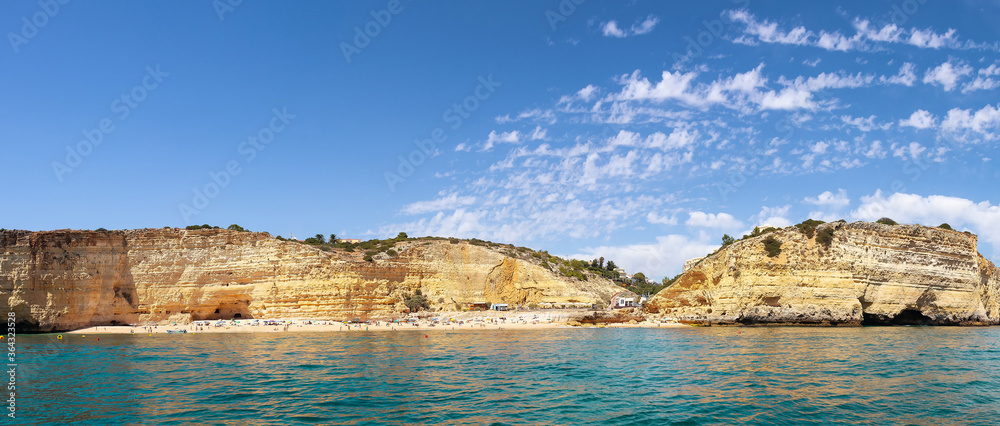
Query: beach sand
x=440 y=321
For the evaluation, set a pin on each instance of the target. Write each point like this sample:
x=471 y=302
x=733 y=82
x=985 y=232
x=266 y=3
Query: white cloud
x=745 y=92
x=538 y=134
x=788 y=99
x=963 y=122
x=920 y=119
x=907 y=75
x=875 y=150
x=460 y=223
x=830 y=199
x=652 y=217
x=774 y=216
x=836 y=41
x=981 y=218
x=663 y=258
x=445 y=202
x=811 y=63
x=711 y=220
x=624 y=138
x=889 y=33
x=929 y=39
x=767 y=31
x=864 y=124
x=587 y=92
x=505 y=137
x=865 y=38
x=830 y=81
x=611 y=28
x=646 y=25
x=947 y=75
x=673 y=85
x=678 y=138
x=912 y=150
x=981 y=83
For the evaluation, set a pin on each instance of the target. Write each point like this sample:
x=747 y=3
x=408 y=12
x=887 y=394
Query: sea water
x=689 y=375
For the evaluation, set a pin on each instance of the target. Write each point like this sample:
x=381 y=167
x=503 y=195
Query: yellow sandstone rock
x=870 y=274
x=61 y=280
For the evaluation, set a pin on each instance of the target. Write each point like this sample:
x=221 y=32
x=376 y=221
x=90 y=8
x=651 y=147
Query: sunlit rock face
x=61 y=280
x=869 y=274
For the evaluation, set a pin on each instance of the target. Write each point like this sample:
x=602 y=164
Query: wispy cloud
x=611 y=28
x=865 y=37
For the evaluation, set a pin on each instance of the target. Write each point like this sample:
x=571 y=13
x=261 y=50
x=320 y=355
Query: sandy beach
x=440 y=321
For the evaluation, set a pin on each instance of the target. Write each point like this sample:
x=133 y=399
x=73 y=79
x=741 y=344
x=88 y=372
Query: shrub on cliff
x=416 y=302
x=825 y=237
x=772 y=246
x=809 y=227
x=318 y=239
x=369 y=255
x=570 y=272
x=758 y=231
x=391 y=253
x=101 y=230
x=946 y=226
x=237 y=228
x=886 y=221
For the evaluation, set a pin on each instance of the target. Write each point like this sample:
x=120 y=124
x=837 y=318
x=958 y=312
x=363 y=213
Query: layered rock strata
x=62 y=280
x=867 y=273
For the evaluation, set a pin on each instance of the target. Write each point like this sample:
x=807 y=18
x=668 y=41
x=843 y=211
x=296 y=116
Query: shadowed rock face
x=62 y=280
x=870 y=274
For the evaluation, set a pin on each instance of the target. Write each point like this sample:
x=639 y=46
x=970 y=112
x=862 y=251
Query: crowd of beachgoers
x=440 y=321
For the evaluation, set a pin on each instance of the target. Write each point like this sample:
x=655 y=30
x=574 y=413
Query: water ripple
x=910 y=375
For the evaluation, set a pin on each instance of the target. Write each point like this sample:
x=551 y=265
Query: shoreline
x=298 y=325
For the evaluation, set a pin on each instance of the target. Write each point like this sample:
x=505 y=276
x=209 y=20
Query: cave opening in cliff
x=905 y=317
x=224 y=311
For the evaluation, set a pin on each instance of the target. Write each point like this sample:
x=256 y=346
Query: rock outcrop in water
x=868 y=273
x=61 y=280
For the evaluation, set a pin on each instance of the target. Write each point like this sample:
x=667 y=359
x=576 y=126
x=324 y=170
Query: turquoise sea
x=697 y=375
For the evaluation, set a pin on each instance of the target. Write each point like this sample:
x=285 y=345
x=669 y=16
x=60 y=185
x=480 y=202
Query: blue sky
x=640 y=132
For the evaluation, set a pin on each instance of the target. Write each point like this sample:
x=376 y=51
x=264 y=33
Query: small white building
x=625 y=299
x=500 y=307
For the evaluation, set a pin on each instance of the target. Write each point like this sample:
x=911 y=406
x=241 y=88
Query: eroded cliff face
x=61 y=280
x=869 y=274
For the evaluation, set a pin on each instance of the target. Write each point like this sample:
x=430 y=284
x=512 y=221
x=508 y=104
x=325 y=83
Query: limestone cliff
x=60 y=280
x=868 y=273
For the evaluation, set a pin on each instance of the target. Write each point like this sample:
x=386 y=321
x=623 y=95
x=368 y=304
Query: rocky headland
x=64 y=280
x=839 y=274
